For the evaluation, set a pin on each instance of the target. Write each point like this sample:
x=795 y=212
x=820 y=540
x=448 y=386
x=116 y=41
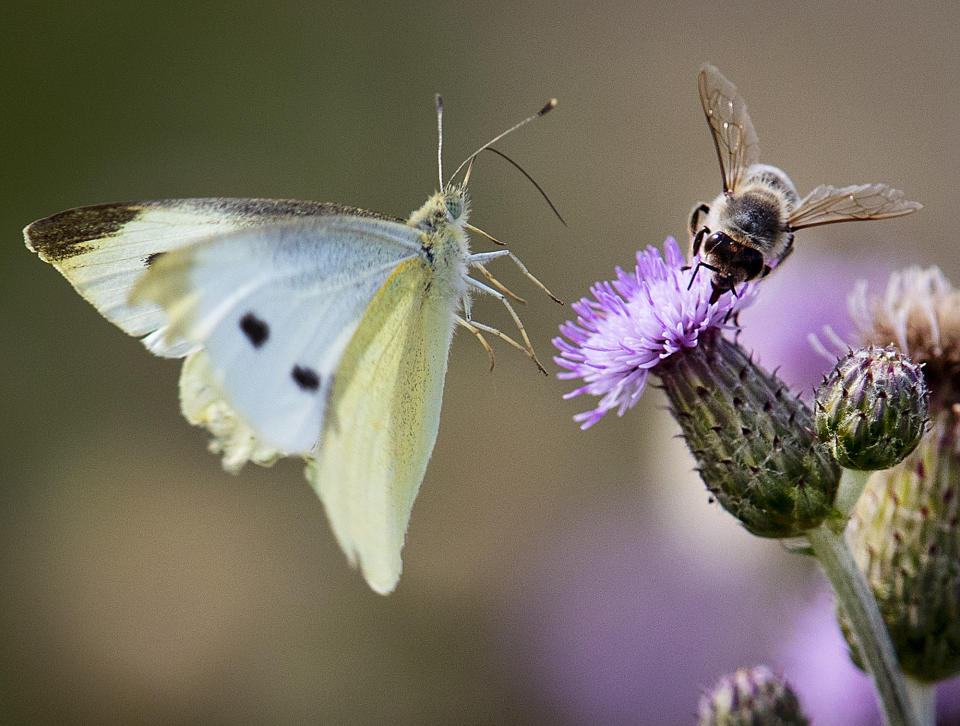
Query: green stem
x=923 y=698
x=851 y=487
x=854 y=595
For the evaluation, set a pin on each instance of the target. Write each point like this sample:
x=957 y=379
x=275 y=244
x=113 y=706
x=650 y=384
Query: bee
x=750 y=226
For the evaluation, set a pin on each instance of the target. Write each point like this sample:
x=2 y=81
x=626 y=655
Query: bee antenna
x=439 y=103
x=522 y=171
x=549 y=106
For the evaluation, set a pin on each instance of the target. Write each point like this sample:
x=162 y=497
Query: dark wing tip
x=62 y=235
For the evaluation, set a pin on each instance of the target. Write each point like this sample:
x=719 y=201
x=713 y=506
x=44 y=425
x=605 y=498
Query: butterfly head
x=456 y=201
x=445 y=209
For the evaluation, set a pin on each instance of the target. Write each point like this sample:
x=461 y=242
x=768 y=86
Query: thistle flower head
x=919 y=312
x=632 y=324
x=753 y=440
x=751 y=697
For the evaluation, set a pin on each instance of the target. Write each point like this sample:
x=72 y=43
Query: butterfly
x=308 y=329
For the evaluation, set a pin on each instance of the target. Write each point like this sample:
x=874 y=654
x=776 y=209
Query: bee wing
x=828 y=204
x=733 y=135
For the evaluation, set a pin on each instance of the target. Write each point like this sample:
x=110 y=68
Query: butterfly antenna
x=524 y=172
x=439 y=102
x=549 y=106
x=466 y=177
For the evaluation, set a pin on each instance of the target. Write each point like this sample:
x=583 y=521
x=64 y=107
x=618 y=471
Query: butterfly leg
x=497 y=284
x=482 y=257
x=483 y=341
x=476 y=328
x=528 y=346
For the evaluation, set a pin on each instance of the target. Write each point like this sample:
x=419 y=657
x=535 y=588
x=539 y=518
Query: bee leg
x=715 y=295
x=787 y=251
x=695 y=242
x=695 y=217
x=698 y=240
x=735 y=316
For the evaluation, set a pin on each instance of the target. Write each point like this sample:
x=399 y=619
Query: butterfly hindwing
x=274 y=308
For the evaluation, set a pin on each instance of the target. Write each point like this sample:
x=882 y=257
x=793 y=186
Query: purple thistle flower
x=635 y=322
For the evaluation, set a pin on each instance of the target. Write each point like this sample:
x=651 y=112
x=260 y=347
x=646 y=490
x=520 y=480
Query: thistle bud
x=905 y=534
x=753 y=439
x=751 y=697
x=872 y=408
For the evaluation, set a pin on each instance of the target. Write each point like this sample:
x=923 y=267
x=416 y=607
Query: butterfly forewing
x=274 y=308
x=386 y=404
x=103 y=249
x=733 y=135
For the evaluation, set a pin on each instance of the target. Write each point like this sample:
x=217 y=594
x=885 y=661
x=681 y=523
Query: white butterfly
x=309 y=329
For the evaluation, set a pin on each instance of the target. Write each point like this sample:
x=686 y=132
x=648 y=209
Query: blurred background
x=551 y=576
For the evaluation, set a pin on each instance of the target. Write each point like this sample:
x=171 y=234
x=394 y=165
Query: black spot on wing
x=256 y=330
x=62 y=236
x=150 y=259
x=306 y=378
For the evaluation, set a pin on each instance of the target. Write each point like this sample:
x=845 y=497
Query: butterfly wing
x=103 y=249
x=273 y=309
x=382 y=420
x=733 y=135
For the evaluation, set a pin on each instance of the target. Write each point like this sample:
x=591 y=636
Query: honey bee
x=750 y=226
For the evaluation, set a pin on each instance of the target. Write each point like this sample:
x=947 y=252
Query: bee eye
x=454 y=207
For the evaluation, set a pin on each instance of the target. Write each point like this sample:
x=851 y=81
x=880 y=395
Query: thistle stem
x=854 y=595
x=851 y=487
x=923 y=698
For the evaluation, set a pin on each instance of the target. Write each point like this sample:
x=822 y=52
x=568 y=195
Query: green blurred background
x=551 y=575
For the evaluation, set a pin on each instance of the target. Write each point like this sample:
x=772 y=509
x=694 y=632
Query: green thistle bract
x=752 y=438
